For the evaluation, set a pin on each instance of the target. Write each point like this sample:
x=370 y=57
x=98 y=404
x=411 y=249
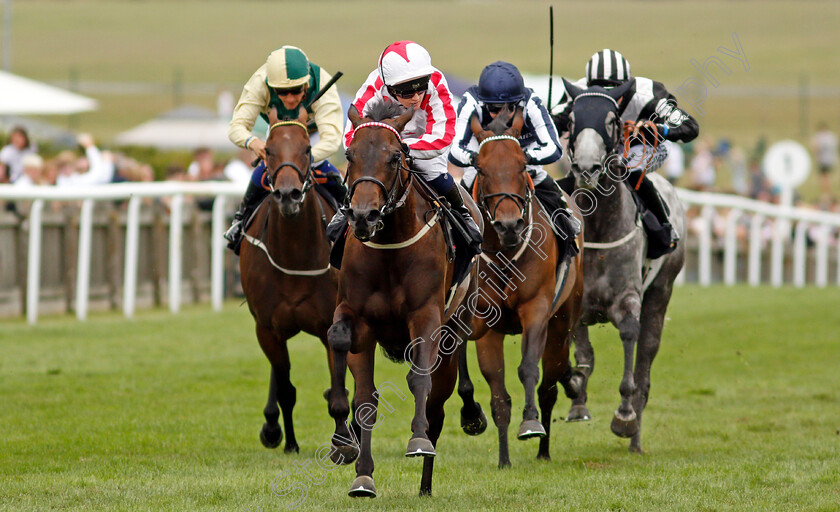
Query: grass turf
x=162 y=413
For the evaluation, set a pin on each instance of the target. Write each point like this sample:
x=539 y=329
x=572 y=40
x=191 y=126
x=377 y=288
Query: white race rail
x=782 y=216
x=738 y=207
x=133 y=192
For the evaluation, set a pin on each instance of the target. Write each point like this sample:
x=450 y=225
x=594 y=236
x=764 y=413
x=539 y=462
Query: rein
x=632 y=130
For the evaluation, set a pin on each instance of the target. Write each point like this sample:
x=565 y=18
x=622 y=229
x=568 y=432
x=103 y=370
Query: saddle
x=650 y=208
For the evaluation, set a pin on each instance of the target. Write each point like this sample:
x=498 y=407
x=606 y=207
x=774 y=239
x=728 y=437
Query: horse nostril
x=519 y=226
x=499 y=227
x=374 y=216
x=296 y=195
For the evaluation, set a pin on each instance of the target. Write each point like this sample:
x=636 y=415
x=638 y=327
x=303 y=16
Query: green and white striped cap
x=287 y=67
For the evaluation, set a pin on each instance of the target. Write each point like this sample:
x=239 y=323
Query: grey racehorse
x=622 y=286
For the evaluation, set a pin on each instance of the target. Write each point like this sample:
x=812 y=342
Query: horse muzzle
x=290 y=201
x=365 y=222
x=510 y=231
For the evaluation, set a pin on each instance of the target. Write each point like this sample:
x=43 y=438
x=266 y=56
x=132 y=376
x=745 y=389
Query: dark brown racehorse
x=392 y=291
x=526 y=284
x=285 y=267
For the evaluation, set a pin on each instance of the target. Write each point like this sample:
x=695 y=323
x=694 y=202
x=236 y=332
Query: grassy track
x=162 y=413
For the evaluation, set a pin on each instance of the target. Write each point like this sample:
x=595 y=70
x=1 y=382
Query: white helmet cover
x=403 y=61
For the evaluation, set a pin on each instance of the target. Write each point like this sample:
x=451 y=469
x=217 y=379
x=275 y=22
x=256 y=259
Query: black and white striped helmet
x=607 y=68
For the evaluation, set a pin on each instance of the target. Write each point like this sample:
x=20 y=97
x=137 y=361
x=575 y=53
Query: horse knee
x=629 y=328
x=339 y=336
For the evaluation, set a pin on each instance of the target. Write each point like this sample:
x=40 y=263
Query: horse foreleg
x=555 y=363
x=345 y=447
x=473 y=421
x=443 y=382
x=424 y=358
x=652 y=321
x=491 y=360
x=534 y=318
x=274 y=347
x=584 y=364
x=365 y=405
x=625 y=422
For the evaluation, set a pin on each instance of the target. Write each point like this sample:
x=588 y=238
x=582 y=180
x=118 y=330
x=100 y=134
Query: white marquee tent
x=22 y=96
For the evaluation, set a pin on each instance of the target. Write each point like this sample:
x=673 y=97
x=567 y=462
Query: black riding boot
x=474 y=239
x=566 y=226
x=335 y=186
x=664 y=233
x=254 y=195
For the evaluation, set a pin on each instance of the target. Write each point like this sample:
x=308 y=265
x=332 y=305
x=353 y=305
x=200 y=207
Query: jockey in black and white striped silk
x=500 y=84
x=646 y=100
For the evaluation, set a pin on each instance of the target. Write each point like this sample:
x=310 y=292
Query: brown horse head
x=376 y=167
x=502 y=186
x=288 y=161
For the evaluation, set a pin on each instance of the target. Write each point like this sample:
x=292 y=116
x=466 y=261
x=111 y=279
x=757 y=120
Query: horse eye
x=308 y=149
x=348 y=156
x=395 y=159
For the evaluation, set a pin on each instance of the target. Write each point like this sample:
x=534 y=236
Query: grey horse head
x=594 y=131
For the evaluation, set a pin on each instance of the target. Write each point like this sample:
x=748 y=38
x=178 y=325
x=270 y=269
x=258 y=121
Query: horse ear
x=475 y=126
x=617 y=93
x=400 y=122
x=518 y=121
x=272 y=116
x=303 y=115
x=571 y=90
x=353 y=116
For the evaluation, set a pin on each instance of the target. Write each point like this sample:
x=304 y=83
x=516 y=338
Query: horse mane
x=385 y=110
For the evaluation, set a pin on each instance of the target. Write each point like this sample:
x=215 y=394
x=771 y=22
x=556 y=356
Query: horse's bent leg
x=625 y=423
x=365 y=406
x=443 y=382
x=473 y=421
x=555 y=362
x=491 y=360
x=345 y=446
x=650 y=335
x=425 y=359
x=584 y=365
x=534 y=318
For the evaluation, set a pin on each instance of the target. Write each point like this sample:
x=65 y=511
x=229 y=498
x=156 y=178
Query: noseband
x=523 y=203
x=391 y=201
x=305 y=178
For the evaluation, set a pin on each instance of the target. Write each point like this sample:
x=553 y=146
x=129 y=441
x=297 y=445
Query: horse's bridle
x=482 y=199
x=305 y=178
x=391 y=201
x=613 y=145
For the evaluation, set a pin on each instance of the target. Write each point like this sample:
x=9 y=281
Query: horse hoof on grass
x=343 y=454
x=362 y=487
x=529 y=429
x=420 y=447
x=622 y=427
x=291 y=448
x=578 y=413
x=271 y=436
x=474 y=426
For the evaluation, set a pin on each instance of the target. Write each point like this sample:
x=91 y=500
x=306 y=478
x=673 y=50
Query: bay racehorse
x=286 y=276
x=529 y=283
x=623 y=287
x=392 y=291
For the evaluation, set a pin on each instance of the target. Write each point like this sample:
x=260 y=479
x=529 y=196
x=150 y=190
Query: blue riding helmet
x=500 y=82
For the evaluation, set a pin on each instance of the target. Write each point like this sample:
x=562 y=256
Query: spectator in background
x=33 y=171
x=674 y=166
x=824 y=146
x=738 y=164
x=239 y=170
x=95 y=168
x=202 y=166
x=12 y=154
x=703 y=167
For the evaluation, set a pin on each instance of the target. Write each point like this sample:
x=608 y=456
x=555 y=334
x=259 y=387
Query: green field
x=162 y=413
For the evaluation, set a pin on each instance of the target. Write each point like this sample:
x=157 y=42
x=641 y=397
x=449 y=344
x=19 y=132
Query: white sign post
x=786 y=165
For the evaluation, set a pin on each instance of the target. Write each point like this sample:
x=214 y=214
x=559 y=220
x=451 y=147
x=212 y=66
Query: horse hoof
x=529 y=429
x=271 y=436
x=344 y=454
x=474 y=426
x=362 y=487
x=625 y=427
x=291 y=448
x=578 y=413
x=420 y=447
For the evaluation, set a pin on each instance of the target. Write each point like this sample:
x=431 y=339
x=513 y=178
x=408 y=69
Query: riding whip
x=551 y=51
x=329 y=84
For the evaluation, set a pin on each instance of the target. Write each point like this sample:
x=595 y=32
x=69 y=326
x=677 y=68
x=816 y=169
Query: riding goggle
x=294 y=90
x=495 y=108
x=407 y=90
